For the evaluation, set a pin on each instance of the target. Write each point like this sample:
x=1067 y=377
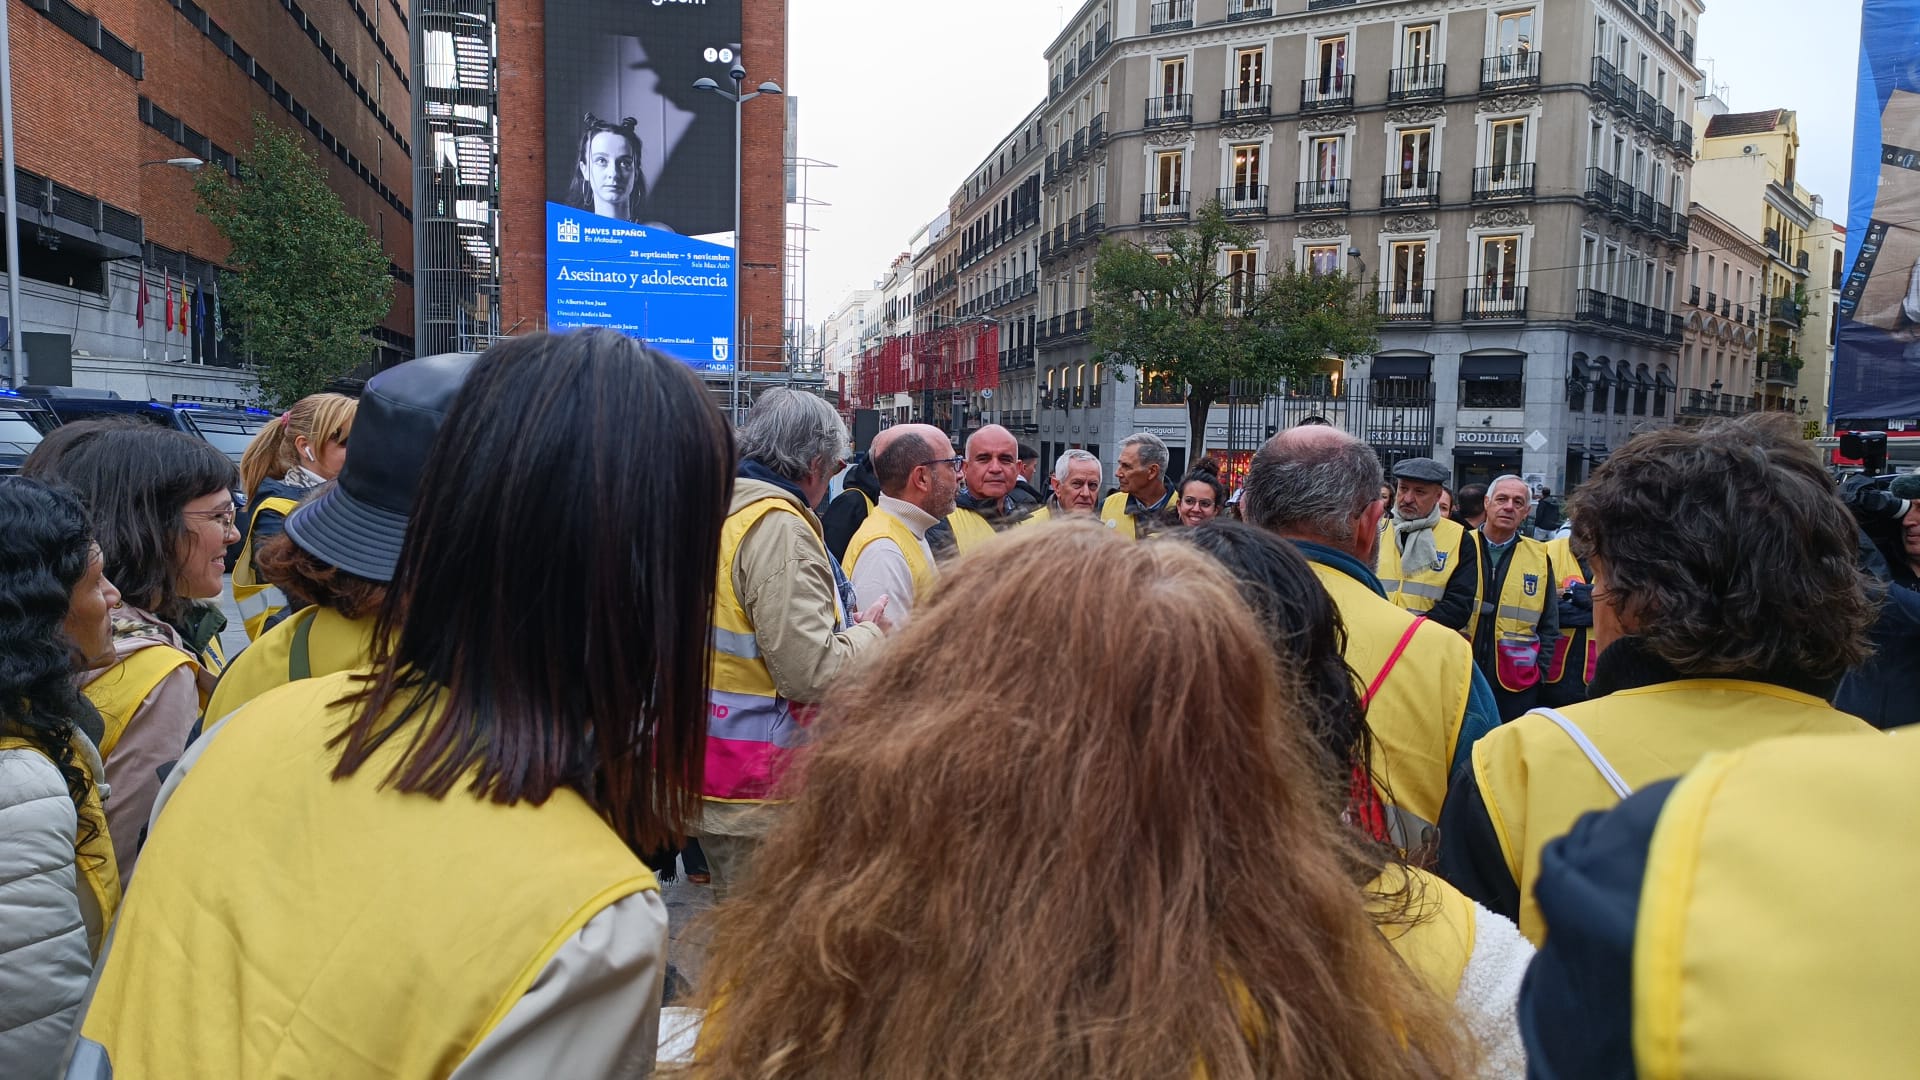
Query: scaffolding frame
x=455 y=55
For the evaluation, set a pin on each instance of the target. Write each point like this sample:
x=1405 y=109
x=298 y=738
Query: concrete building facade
x=1719 y=357
x=998 y=220
x=1512 y=177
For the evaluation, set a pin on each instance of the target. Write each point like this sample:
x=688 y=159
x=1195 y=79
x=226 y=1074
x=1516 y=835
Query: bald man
x=986 y=502
x=1320 y=488
x=889 y=556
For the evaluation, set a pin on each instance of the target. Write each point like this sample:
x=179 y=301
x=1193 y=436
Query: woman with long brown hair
x=1197 y=911
x=304 y=448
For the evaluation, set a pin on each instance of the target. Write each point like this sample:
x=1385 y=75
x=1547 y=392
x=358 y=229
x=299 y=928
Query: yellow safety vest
x=1114 y=512
x=970 y=529
x=256 y=599
x=274 y=899
x=1576 y=656
x=1419 y=588
x=313 y=642
x=1439 y=944
x=120 y=690
x=1536 y=781
x=93 y=857
x=879 y=524
x=1764 y=947
x=1524 y=597
x=1416 y=710
x=751 y=730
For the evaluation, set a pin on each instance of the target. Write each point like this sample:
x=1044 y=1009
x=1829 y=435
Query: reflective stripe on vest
x=250 y=956
x=751 y=729
x=1419 y=589
x=1529 y=588
x=256 y=599
x=1768 y=944
x=1536 y=782
x=1576 y=640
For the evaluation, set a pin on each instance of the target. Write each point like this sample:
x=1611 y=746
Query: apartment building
x=998 y=217
x=1512 y=177
x=1720 y=353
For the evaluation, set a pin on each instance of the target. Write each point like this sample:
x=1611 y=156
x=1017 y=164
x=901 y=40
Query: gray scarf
x=1417 y=548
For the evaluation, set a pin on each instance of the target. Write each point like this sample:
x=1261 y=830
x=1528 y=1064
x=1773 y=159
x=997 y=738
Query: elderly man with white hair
x=784 y=627
x=1145 y=501
x=1520 y=605
x=1076 y=487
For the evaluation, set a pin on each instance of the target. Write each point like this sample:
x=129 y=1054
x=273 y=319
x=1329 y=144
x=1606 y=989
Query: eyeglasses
x=225 y=517
x=952 y=462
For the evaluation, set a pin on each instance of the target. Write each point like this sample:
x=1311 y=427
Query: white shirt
x=882 y=568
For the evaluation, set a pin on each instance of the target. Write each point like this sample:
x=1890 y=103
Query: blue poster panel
x=640 y=173
x=1876 y=369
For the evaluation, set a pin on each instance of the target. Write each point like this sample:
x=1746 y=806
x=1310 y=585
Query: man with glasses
x=986 y=502
x=889 y=556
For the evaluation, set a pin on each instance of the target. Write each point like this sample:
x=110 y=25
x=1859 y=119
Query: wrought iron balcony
x=1238 y=10
x=1408 y=189
x=1417 y=83
x=1246 y=100
x=1693 y=296
x=1686 y=45
x=1326 y=93
x=1785 y=312
x=1163 y=206
x=1080 y=144
x=1171 y=15
x=1601 y=187
x=1322 y=5
x=1094 y=221
x=1322 y=196
x=1778 y=373
x=1407 y=305
x=1496 y=182
x=1683 y=137
x=1510 y=71
x=1503 y=304
x=1169 y=110
x=1606 y=80
x=1244 y=200
x=1097 y=130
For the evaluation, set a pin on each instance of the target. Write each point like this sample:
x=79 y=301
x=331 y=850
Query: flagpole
x=17 y=356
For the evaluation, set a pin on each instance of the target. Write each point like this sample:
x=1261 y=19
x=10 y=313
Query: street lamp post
x=738 y=74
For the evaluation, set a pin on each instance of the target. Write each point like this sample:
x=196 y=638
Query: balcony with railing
x=1492 y=183
x=1322 y=196
x=1080 y=144
x=1686 y=45
x=1779 y=373
x=1171 y=15
x=1094 y=221
x=1322 y=5
x=1240 y=10
x=1726 y=306
x=1402 y=190
x=1507 y=303
x=1169 y=110
x=1244 y=200
x=1246 y=100
x=1681 y=137
x=1510 y=71
x=1623 y=314
x=1102 y=38
x=1667 y=28
x=1785 y=312
x=1097 y=130
x=1065 y=154
x=1713 y=301
x=1701 y=403
x=1407 y=305
x=1417 y=83
x=1693 y=295
x=1326 y=93
x=1158 y=206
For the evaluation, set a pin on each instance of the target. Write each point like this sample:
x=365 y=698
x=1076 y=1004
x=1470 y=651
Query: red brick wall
x=77 y=120
x=523 y=175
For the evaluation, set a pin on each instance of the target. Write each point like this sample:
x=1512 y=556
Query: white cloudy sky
x=906 y=98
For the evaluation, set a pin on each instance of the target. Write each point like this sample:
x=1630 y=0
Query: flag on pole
x=200 y=307
x=219 y=327
x=183 y=303
x=169 y=287
x=140 y=312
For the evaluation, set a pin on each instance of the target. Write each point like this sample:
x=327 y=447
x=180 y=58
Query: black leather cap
x=358 y=522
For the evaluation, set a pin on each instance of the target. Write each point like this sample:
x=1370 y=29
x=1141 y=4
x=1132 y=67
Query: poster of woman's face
x=628 y=137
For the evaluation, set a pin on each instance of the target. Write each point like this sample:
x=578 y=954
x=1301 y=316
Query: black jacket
x=848 y=510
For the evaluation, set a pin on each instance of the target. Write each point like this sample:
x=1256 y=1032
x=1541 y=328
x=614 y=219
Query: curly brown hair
x=1195 y=907
x=303 y=575
x=1725 y=550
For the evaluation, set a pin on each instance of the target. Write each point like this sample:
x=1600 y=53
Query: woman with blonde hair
x=289 y=457
x=1198 y=913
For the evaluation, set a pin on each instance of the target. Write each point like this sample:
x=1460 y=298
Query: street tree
x=307 y=280
x=1173 y=310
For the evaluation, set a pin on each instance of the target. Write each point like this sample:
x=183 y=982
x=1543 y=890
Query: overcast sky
x=907 y=98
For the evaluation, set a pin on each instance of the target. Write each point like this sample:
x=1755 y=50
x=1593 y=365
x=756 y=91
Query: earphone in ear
x=307 y=450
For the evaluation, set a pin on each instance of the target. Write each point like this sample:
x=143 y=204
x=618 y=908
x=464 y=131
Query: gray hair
x=792 y=432
x=1498 y=480
x=1067 y=459
x=1152 y=450
x=1313 y=489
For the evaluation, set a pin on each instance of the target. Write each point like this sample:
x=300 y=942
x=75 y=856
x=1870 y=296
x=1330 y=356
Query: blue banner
x=1876 y=368
x=640 y=169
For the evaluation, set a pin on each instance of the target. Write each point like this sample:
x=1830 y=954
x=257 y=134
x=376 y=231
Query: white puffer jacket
x=44 y=962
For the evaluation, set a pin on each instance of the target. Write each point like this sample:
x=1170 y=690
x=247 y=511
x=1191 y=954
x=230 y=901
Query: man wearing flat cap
x=1428 y=564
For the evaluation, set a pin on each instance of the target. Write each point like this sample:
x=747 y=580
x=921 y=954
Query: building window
x=1331 y=63
x=1246 y=171
x=1507 y=148
x=1407 y=263
x=1514 y=34
x=1173 y=79
x=1159 y=388
x=1420 y=47
x=1099 y=379
x=1502 y=392
x=1241 y=269
x=1169 y=167
x=1642 y=382
x=1416 y=156
x=1500 y=266
x=1323 y=258
x=1250 y=67
x=1325 y=157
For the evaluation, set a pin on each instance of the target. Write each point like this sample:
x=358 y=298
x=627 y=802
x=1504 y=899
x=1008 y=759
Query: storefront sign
x=1487 y=437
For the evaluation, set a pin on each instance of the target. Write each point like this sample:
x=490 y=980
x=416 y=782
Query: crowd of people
x=1328 y=773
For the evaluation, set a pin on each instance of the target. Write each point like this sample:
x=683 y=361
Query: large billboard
x=640 y=173
x=1876 y=371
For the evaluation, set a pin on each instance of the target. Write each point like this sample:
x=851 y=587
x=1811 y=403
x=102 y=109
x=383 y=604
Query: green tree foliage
x=1171 y=310
x=307 y=280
